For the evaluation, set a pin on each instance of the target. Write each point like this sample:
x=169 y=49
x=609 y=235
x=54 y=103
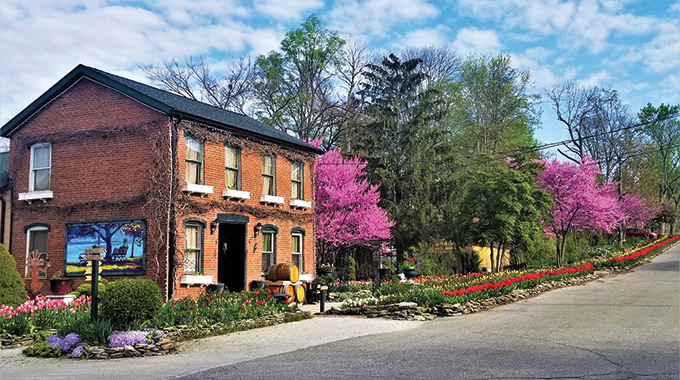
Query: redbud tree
x=580 y=202
x=347 y=211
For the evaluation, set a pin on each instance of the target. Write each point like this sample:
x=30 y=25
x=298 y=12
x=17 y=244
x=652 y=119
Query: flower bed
x=633 y=258
x=210 y=314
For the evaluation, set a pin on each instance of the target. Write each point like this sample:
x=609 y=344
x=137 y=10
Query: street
x=625 y=326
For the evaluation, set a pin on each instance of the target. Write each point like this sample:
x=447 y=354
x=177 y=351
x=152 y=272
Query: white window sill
x=194 y=279
x=36 y=195
x=193 y=188
x=299 y=203
x=238 y=195
x=272 y=200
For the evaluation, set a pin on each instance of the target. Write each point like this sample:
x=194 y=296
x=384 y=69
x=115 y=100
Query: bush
x=129 y=301
x=86 y=289
x=12 y=289
x=469 y=261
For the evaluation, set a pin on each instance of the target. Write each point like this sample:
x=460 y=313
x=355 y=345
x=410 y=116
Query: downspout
x=170 y=233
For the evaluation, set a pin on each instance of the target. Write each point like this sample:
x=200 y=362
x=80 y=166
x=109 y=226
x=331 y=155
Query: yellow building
x=484 y=254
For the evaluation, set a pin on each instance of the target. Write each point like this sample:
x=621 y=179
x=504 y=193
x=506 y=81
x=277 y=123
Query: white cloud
x=39 y=43
x=587 y=23
x=600 y=78
x=286 y=10
x=377 y=17
x=436 y=36
x=473 y=40
x=662 y=54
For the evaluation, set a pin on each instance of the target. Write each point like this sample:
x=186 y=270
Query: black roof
x=166 y=102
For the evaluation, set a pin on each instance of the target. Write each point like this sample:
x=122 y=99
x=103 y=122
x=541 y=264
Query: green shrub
x=12 y=289
x=72 y=322
x=43 y=350
x=469 y=261
x=86 y=289
x=129 y=301
x=351 y=268
x=97 y=332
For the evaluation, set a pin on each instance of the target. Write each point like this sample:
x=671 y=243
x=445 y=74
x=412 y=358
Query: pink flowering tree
x=347 y=211
x=580 y=202
x=636 y=211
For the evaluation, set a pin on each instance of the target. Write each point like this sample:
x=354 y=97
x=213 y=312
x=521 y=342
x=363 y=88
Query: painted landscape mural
x=124 y=240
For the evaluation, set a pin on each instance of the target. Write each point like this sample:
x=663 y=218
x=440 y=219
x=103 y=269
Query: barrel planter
x=283 y=271
x=284 y=289
x=300 y=293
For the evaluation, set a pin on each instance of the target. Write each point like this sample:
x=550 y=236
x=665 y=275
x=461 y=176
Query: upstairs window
x=269 y=175
x=41 y=163
x=297 y=175
x=194 y=161
x=232 y=166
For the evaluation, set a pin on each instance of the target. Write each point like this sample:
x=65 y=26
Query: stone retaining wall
x=410 y=311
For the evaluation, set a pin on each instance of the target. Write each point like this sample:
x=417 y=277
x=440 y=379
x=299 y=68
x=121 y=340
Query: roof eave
x=247 y=133
x=67 y=81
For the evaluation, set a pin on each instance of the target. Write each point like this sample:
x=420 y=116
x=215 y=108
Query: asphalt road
x=619 y=327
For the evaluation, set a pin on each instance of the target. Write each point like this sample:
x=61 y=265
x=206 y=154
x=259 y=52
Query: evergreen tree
x=12 y=290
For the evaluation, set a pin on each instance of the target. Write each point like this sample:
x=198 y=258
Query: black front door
x=231 y=261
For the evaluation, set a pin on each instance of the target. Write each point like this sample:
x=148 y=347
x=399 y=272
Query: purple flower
x=130 y=338
x=78 y=352
x=66 y=343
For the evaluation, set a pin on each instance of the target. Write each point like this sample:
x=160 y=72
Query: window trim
x=35 y=227
x=192 y=222
x=301 y=181
x=31 y=179
x=237 y=169
x=201 y=162
x=301 y=247
x=269 y=229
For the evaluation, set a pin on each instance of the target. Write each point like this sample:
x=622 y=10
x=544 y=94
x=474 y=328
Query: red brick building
x=177 y=191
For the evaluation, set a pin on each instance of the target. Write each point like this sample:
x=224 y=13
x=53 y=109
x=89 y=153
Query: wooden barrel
x=284 y=289
x=300 y=293
x=283 y=271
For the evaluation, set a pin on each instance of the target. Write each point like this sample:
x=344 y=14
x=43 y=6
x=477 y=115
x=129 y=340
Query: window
x=297 y=251
x=194 y=160
x=36 y=251
x=193 y=252
x=297 y=175
x=269 y=175
x=268 y=246
x=41 y=162
x=232 y=165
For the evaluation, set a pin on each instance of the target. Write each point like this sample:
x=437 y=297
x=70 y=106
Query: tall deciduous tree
x=502 y=207
x=580 y=203
x=347 y=211
x=495 y=110
x=294 y=88
x=663 y=131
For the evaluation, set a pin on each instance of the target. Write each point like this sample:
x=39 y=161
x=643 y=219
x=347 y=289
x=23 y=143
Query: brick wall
x=92 y=169
x=85 y=168
x=251 y=181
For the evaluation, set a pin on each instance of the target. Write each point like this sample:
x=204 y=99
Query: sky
x=630 y=46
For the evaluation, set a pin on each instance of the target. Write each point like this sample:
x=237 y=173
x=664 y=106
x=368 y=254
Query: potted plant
x=410 y=269
x=59 y=286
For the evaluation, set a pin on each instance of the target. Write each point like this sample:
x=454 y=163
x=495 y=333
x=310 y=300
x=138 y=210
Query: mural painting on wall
x=124 y=240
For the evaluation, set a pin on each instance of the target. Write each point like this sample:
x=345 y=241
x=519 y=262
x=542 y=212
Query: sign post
x=93 y=255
